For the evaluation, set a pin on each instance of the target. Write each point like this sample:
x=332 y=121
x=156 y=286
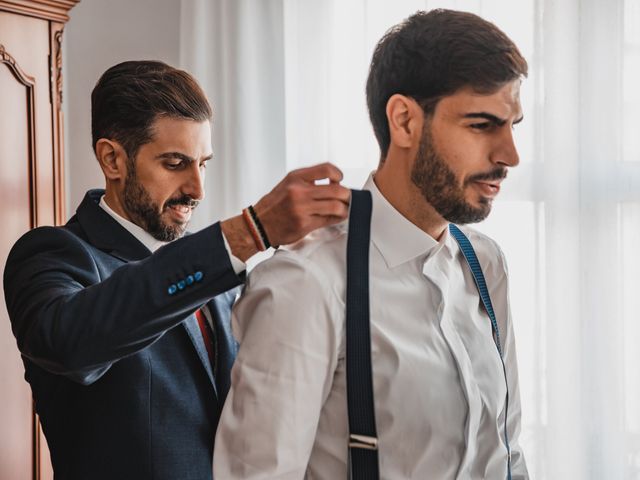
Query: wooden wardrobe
x=31 y=194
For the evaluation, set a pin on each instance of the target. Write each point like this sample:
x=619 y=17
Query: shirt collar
x=140 y=234
x=397 y=239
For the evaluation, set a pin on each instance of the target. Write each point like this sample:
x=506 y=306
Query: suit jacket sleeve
x=71 y=316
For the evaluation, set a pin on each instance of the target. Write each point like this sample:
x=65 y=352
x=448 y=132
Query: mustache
x=185 y=200
x=499 y=173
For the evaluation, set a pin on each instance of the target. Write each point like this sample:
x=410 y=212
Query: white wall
x=100 y=34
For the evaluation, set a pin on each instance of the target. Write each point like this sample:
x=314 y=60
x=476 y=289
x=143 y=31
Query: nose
x=194 y=183
x=506 y=153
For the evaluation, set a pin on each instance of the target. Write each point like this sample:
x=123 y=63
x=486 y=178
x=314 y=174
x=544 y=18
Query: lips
x=181 y=208
x=180 y=213
x=488 y=189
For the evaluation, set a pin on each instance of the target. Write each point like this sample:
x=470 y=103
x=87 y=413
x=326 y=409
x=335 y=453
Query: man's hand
x=295 y=207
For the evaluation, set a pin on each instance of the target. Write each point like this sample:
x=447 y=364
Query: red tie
x=206 y=335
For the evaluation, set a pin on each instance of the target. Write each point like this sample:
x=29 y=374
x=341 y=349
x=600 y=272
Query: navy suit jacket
x=118 y=369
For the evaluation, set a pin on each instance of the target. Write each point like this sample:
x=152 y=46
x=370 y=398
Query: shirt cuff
x=238 y=265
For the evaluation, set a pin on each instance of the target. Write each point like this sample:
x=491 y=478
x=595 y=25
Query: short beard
x=148 y=215
x=440 y=187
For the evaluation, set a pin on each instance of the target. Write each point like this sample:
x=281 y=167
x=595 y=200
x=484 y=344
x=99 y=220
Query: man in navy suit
x=123 y=321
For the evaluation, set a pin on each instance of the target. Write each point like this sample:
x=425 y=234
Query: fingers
x=329 y=208
x=333 y=191
x=318 y=172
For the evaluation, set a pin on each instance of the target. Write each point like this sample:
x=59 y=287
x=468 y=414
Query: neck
x=115 y=204
x=393 y=179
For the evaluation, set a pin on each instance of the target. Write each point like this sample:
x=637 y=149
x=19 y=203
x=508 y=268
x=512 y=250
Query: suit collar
x=106 y=233
x=140 y=233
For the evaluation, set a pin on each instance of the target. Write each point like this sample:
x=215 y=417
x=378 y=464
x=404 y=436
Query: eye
x=482 y=126
x=175 y=165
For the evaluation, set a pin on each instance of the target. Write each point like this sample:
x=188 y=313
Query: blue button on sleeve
x=181 y=284
x=172 y=289
x=189 y=279
x=198 y=276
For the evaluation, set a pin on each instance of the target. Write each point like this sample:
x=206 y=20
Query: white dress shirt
x=438 y=381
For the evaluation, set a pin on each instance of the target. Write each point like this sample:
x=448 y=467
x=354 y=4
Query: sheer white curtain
x=287 y=80
x=235 y=49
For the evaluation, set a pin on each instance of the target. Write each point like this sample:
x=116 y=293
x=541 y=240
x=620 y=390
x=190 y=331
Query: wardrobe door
x=26 y=200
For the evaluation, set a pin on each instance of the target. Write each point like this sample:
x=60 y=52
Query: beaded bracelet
x=256 y=229
x=263 y=232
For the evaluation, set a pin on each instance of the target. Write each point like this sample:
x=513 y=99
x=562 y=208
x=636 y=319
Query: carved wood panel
x=57 y=121
x=15 y=104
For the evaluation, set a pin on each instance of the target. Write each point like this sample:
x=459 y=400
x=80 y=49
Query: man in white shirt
x=443 y=97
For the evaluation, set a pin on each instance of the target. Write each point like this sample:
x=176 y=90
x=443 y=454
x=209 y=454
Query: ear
x=405 y=118
x=112 y=159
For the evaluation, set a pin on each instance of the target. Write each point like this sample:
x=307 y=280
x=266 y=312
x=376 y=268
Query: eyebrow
x=492 y=118
x=182 y=156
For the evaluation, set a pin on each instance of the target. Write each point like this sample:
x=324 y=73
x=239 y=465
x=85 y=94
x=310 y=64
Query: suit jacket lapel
x=226 y=346
x=193 y=330
x=105 y=232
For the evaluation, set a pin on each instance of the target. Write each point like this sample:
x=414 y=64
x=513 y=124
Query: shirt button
x=172 y=289
x=181 y=285
x=198 y=276
x=189 y=279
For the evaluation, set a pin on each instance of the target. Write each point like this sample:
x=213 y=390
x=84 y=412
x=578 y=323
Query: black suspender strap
x=363 y=439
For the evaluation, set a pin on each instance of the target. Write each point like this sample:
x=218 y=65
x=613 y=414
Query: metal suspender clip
x=363 y=441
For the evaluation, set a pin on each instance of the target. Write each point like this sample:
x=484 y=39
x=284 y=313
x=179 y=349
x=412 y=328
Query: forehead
x=503 y=103
x=181 y=135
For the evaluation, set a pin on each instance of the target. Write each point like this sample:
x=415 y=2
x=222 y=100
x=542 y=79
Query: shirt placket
x=434 y=270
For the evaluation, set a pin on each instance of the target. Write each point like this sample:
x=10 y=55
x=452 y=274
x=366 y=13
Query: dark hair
x=434 y=54
x=130 y=96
